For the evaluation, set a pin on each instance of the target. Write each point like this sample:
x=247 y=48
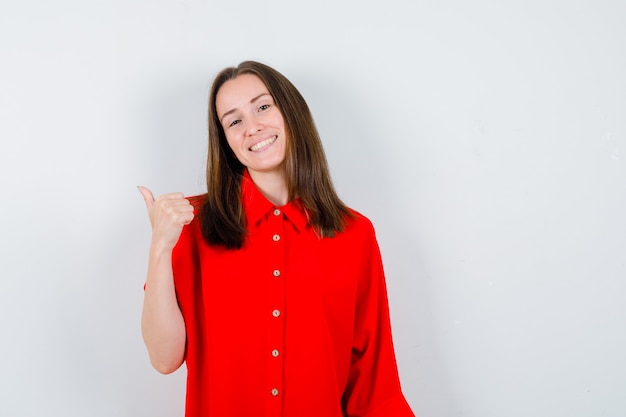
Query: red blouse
x=289 y=325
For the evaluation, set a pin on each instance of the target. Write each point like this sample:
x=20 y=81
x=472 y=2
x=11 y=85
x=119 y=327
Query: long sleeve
x=373 y=388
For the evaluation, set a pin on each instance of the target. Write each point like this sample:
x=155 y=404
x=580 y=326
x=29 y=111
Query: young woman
x=268 y=287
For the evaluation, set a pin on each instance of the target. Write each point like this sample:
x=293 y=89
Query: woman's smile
x=260 y=146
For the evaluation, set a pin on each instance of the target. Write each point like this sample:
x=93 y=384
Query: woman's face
x=254 y=125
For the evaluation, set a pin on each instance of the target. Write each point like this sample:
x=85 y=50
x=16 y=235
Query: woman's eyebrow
x=251 y=102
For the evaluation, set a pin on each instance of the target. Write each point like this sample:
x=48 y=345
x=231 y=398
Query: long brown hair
x=308 y=178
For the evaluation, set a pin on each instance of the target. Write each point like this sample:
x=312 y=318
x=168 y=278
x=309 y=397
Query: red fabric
x=290 y=312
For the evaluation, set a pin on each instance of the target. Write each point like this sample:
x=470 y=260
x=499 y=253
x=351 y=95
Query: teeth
x=262 y=144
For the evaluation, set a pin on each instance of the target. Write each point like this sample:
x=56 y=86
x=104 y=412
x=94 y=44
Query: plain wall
x=485 y=140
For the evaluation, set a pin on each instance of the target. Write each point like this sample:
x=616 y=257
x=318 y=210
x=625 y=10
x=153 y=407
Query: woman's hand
x=162 y=323
x=168 y=214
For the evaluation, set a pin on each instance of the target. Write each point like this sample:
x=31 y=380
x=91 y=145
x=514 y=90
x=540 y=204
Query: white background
x=485 y=139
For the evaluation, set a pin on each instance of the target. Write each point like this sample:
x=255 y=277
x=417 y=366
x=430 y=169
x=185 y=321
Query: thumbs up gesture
x=168 y=214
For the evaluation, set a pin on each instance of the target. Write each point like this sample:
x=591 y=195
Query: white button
x=276 y=238
x=276 y=273
x=276 y=313
x=275 y=392
x=276 y=212
x=275 y=353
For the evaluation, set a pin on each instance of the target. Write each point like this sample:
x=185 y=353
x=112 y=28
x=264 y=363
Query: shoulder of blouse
x=197 y=201
x=191 y=232
x=359 y=222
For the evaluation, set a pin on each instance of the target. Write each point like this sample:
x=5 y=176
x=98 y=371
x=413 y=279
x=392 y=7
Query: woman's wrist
x=160 y=250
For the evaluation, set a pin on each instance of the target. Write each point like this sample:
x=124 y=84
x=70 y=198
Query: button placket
x=276 y=313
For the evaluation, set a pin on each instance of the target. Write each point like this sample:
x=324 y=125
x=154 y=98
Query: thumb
x=147 y=195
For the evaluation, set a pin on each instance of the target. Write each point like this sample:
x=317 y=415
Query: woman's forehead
x=240 y=90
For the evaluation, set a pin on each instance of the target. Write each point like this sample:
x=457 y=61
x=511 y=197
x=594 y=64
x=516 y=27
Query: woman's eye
x=234 y=122
x=264 y=107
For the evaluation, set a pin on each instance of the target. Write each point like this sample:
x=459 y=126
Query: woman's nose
x=254 y=126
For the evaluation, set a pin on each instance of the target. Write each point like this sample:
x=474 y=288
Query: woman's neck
x=273 y=185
